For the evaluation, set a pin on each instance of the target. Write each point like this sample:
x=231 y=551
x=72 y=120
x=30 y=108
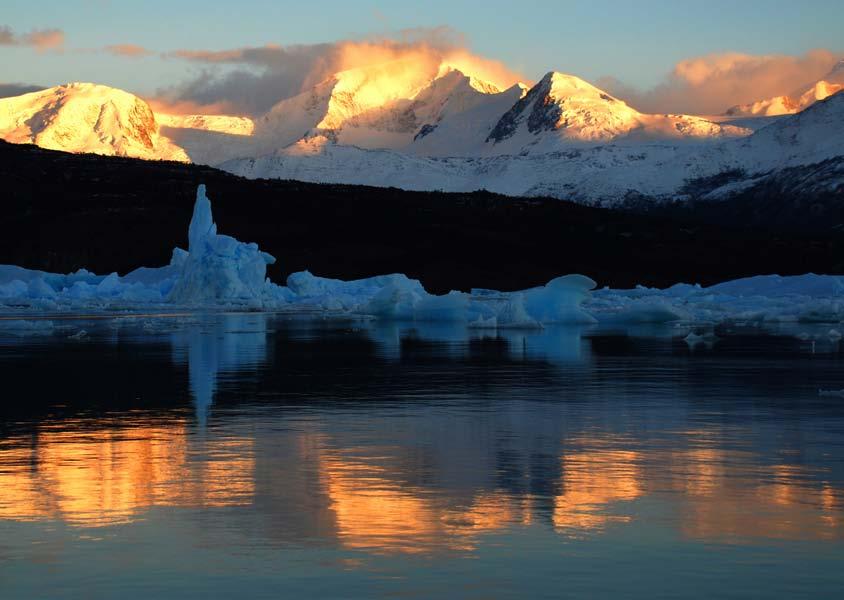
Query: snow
x=221 y=273
x=604 y=174
x=85 y=117
x=228 y=124
x=563 y=111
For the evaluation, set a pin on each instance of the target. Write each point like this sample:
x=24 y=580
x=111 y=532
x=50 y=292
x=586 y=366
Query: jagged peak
x=447 y=70
x=562 y=85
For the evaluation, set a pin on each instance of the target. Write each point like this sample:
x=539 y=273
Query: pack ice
x=218 y=272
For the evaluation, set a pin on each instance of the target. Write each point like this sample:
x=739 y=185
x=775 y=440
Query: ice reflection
x=558 y=345
x=217 y=345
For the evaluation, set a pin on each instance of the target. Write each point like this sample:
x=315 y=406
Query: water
x=249 y=456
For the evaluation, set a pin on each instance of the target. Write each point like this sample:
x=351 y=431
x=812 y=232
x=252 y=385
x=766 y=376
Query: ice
x=218 y=269
x=26 y=327
x=376 y=296
x=512 y=314
x=219 y=272
x=451 y=307
x=645 y=310
x=775 y=286
x=559 y=301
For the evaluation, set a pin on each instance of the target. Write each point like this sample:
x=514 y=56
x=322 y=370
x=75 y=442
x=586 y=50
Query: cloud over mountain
x=710 y=84
x=253 y=79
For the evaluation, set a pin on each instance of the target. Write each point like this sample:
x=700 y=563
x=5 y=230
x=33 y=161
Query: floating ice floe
x=219 y=272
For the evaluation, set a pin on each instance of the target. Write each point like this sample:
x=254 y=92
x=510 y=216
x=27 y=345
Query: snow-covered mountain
x=391 y=107
x=435 y=127
x=606 y=174
x=421 y=110
x=832 y=83
x=84 y=117
x=562 y=109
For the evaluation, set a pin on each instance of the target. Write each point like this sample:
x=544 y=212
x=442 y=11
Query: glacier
x=218 y=272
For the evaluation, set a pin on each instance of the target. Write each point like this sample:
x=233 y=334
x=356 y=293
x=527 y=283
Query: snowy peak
x=810 y=136
x=86 y=117
x=357 y=91
x=571 y=110
x=378 y=93
x=381 y=106
x=562 y=86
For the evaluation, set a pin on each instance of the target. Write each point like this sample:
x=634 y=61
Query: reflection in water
x=592 y=482
x=108 y=476
x=728 y=496
x=409 y=442
x=219 y=344
x=374 y=511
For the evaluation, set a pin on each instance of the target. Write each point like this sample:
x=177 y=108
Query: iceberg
x=218 y=269
x=219 y=272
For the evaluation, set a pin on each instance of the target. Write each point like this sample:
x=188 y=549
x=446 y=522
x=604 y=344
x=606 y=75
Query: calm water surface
x=249 y=456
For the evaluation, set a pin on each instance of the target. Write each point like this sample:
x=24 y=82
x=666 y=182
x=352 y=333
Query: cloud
x=40 y=39
x=189 y=107
x=713 y=83
x=8 y=90
x=128 y=50
x=252 y=79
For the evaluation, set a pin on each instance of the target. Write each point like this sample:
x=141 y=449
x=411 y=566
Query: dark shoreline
x=62 y=212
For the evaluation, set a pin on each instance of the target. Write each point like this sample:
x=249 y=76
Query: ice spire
x=202 y=223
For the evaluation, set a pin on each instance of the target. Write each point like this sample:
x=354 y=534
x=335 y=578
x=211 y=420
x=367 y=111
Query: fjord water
x=247 y=455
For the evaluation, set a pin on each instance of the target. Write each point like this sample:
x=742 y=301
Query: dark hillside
x=61 y=212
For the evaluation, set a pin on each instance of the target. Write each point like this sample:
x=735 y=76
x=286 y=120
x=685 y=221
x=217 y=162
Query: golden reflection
x=362 y=498
x=593 y=481
x=107 y=477
x=490 y=512
x=375 y=511
x=739 y=501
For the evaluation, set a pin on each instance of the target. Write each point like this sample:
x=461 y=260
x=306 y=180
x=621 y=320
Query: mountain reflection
x=594 y=481
x=109 y=476
x=414 y=463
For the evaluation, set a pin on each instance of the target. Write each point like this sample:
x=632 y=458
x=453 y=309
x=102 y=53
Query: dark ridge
x=808 y=199
x=63 y=211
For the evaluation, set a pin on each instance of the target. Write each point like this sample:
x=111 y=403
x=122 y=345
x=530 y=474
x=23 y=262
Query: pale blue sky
x=637 y=42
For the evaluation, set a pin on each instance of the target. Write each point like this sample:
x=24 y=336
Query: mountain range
x=396 y=124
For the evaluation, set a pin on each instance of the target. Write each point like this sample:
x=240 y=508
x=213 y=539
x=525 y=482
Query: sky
x=631 y=46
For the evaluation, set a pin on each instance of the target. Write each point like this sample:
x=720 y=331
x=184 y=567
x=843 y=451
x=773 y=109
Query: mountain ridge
x=440 y=128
